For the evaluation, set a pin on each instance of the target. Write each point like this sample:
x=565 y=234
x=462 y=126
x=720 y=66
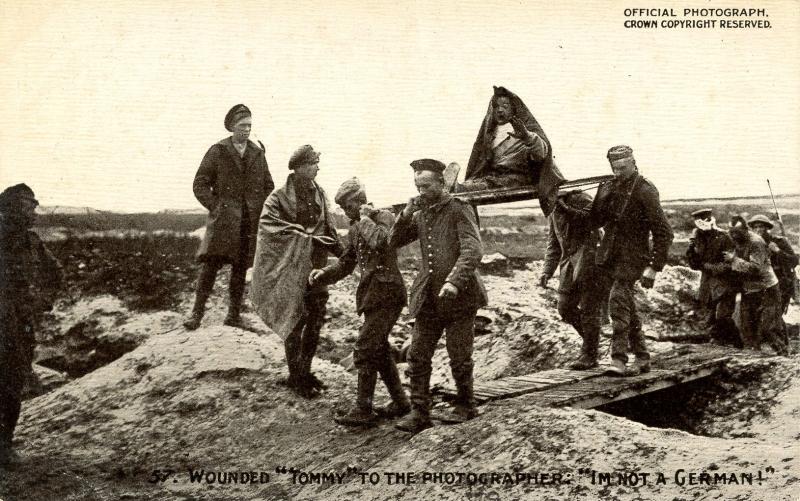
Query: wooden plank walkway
x=592 y=388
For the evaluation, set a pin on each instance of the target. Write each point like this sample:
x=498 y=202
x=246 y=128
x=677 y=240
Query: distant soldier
x=717 y=293
x=761 y=297
x=381 y=296
x=782 y=257
x=232 y=182
x=571 y=248
x=296 y=233
x=446 y=293
x=629 y=210
x=27 y=269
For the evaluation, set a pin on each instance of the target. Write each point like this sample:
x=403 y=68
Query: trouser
x=761 y=319
x=212 y=265
x=16 y=357
x=581 y=307
x=372 y=351
x=494 y=181
x=428 y=330
x=625 y=322
x=720 y=320
x=301 y=344
x=205 y=284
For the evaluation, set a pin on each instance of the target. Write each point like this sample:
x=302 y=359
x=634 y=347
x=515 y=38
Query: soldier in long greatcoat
x=232 y=182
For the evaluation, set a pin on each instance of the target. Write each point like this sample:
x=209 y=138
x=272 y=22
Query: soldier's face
x=27 y=209
x=351 y=207
x=623 y=168
x=241 y=130
x=429 y=185
x=503 y=111
x=761 y=229
x=307 y=171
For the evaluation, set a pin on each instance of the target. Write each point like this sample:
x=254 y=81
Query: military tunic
x=381 y=293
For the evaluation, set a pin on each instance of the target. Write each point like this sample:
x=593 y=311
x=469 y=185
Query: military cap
x=699 y=214
x=619 y=152
x=348 y=189
x=235 y=114
x=427 y=164
x=302 y=156
x=760 y=219
x=12 y=195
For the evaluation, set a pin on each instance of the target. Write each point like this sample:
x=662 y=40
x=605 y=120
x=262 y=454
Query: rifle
x=775 y=206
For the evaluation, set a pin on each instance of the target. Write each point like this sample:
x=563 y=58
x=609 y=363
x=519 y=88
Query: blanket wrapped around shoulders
x=286 y=252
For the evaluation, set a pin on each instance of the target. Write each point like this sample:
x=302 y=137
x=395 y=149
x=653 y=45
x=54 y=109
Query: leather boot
x=583 y=363
x=193 y=321
x=640 y=366
x=418 y=420
x=464 y=405
x=205 y=284
x=235 y=297
x=399 y=406
x=617 y=367
x=361 y=413
x=420 y=417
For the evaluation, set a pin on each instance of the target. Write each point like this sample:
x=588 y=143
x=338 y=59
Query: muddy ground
x=128 y=405
x=146 y=403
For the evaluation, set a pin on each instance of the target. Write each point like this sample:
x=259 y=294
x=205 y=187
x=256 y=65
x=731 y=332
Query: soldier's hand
x=648 y=278
x=314 y=276
x=411 y=207
x=449 y=291
x=543 y=281
x=366 y=210
x=521 y=132
x=773 y=247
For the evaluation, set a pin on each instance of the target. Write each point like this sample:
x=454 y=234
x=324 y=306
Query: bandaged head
x=350 y=189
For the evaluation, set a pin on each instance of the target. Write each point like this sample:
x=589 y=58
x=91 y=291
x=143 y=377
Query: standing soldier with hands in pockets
x=232 y=183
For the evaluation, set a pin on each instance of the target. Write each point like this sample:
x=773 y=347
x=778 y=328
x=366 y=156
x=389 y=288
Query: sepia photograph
x=455 y=250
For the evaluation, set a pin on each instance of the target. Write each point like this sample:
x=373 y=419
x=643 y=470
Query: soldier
x=446 y=293
x=761 y=296
x=381 y=296
x=781 y=255
x=717 y=292
x=25 y=266
x=571 y=247
x=295 y=235
x=232 y=182
x=628 y=208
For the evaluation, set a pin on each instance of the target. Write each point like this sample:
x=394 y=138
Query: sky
x=112 y=104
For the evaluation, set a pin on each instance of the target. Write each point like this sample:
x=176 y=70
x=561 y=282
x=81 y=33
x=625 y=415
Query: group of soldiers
x=601 y=246
x=748 y=260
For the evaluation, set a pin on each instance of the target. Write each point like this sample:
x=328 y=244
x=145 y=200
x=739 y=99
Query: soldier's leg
x=238 y=273
x=769 y=320
x=291 y=346
x=427 y=331
x=15 y=364
x=749 y=309
x=622 y=310
x=316 y=306
x=591 y=304
x=459 y=341
x=724 y=328
x=568 y=308
x=236 y=294
x=205 y=284
x=387 y=367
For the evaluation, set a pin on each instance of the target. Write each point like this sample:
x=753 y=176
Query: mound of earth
x=213 y=401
